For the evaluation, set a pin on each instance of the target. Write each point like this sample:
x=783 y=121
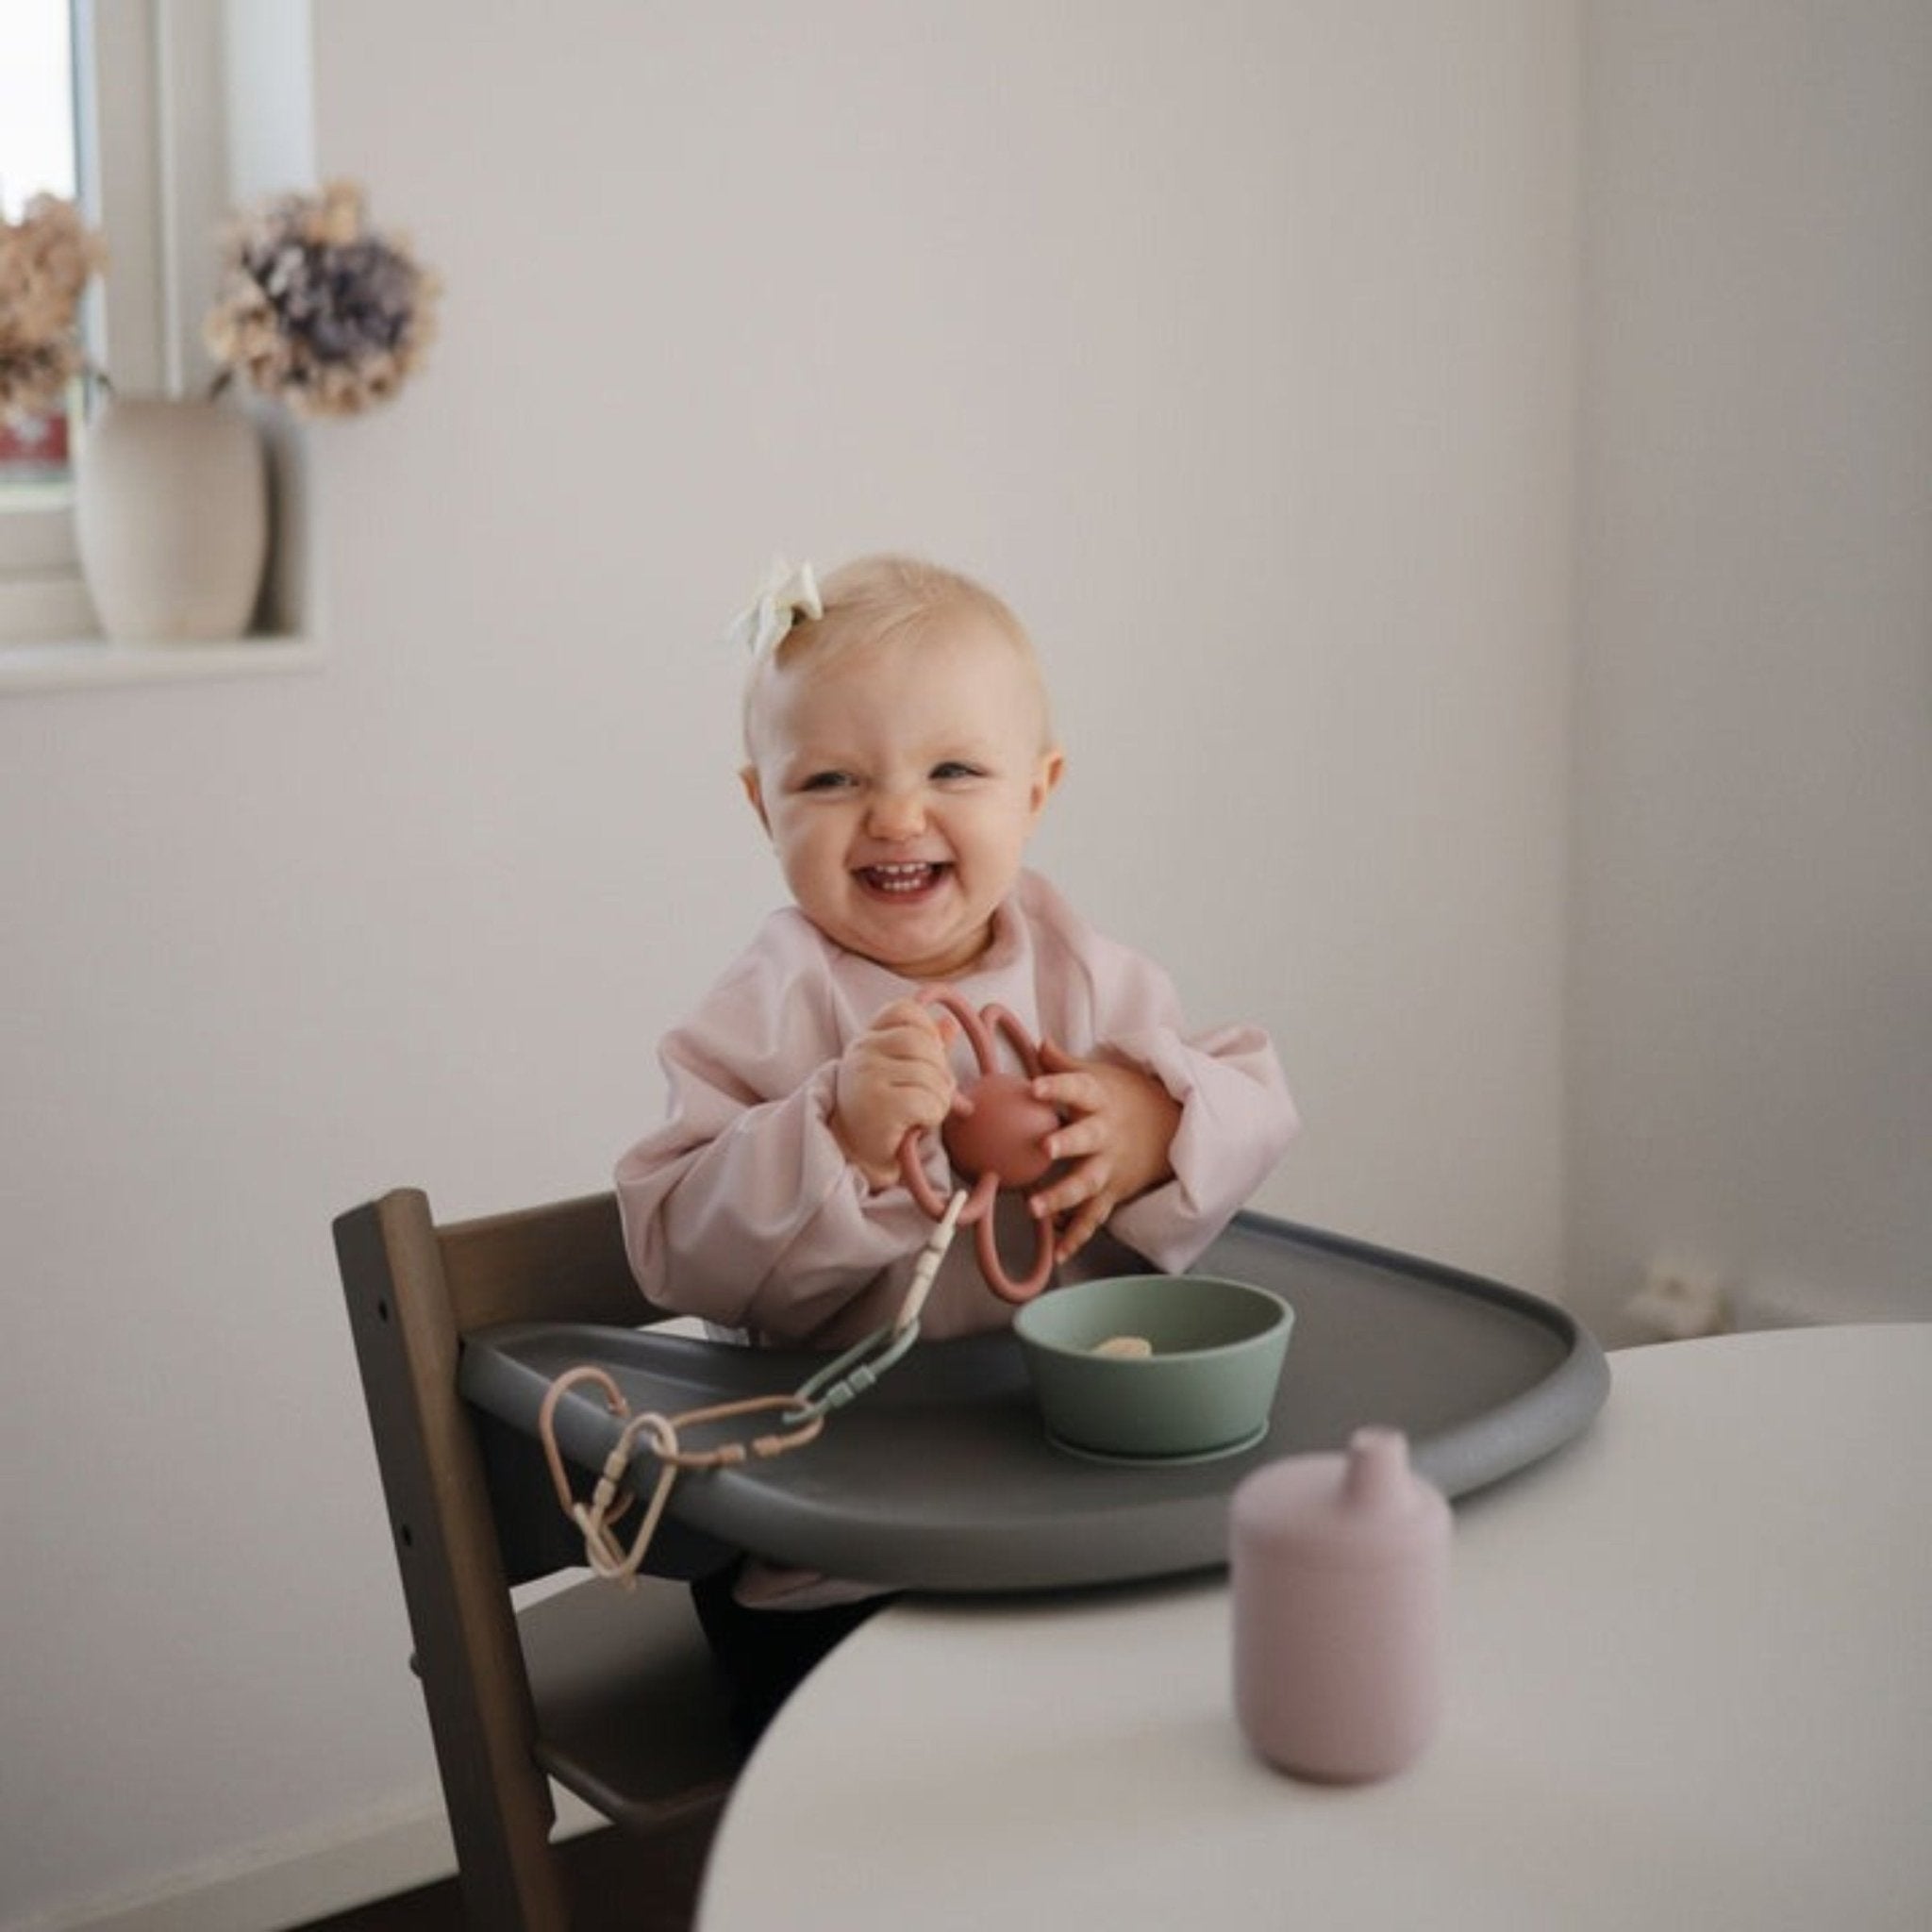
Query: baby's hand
x=1120 y=1124
x=893 y=1076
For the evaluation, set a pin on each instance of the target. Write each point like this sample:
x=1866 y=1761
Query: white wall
x=1234 y=344
x=1751 y=1089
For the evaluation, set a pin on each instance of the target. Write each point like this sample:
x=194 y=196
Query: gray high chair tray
x=942 y=1478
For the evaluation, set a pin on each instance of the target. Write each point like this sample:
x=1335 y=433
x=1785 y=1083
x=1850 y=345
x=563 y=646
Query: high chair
x=611 y=1692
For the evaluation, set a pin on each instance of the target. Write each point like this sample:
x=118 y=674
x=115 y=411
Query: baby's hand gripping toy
x=995 y=1140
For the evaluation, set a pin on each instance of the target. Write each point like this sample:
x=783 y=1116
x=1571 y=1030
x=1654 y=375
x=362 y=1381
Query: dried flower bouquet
x=45 y=259
x=316 y=309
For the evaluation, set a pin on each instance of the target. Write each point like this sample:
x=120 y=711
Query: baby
x=899 y=754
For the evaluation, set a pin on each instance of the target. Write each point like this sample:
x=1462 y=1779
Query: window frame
x=184 y=109
x=115 y=75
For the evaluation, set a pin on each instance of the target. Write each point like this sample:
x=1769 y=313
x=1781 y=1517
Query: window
x=38 y=155
x=160 y=116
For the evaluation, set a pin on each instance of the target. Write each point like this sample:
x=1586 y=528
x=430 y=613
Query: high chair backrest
x=611 y=1692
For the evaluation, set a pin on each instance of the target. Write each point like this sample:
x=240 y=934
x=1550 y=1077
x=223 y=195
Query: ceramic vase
x=171 y=516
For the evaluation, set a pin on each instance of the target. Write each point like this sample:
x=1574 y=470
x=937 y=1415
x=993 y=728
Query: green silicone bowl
x=1203 y=1387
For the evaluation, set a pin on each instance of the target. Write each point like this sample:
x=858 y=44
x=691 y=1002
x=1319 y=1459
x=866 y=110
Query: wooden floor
x=615 y=1881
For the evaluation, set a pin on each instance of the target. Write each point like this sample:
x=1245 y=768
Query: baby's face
x=900 y=783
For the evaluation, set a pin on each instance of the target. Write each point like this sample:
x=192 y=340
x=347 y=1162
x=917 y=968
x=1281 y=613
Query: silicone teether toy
x=996 y=1145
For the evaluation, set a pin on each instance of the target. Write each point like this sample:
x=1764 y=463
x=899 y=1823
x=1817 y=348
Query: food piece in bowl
x=1125 y=1347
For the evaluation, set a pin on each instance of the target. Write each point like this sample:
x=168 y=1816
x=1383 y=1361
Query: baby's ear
x=748 y=777
x=1046 y=777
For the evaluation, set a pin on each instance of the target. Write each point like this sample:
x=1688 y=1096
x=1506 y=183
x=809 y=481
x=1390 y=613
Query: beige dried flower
x=45 y=259
x=316 y=309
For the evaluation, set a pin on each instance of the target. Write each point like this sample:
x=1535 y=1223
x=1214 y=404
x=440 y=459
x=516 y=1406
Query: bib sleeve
x=742 y=1208
x=1236 y=1116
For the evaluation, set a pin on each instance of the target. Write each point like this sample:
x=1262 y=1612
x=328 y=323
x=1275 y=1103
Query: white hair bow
x=788 y=595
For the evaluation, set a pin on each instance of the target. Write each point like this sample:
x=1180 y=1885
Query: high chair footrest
x=632 y=1714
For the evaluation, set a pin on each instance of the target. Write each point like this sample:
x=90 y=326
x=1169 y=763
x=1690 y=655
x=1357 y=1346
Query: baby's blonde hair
x=889 y=599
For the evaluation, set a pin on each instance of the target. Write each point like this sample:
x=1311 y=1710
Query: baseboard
x=289 y=1880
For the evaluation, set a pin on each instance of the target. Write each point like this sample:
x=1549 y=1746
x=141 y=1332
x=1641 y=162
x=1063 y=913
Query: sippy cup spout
x=1376 y=1475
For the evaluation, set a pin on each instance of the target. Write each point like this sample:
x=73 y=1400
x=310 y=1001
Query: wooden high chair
x=611 y=1692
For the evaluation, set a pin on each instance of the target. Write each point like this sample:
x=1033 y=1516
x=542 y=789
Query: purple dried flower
x=318 y=311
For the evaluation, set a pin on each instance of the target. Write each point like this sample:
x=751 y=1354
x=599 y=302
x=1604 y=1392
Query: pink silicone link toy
x=996 y=1142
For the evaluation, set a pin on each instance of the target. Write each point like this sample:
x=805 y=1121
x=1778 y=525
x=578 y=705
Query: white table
x=1690 y=1674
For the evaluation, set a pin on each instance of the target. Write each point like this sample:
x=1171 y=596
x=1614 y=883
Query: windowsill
x=71 y=665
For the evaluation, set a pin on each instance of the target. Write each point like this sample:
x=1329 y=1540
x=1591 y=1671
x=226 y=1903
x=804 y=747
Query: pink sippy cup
x=1339 y=1569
